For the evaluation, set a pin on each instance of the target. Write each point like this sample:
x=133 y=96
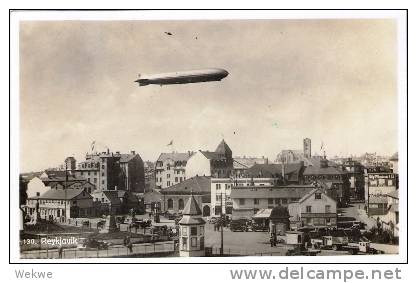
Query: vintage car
x=239 y=225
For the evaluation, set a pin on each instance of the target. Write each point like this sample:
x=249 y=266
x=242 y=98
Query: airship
x=183 y=77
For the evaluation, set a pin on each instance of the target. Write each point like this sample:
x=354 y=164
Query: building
x=133 y=171
x=218 y=164
x=248 y=200
x=295 y=155
x=307 y=147
x=191 y=226
x=324 y=172
x=89 y=170
x=174 y=197
x=355 y=172
x=394 y=163
x=292 y=172
x=79 y=184
x=241 y=164
x=70 y=163
x=60 y=205
x=170 y=169
x=290 y=156
x=116 y=202
x=315 y=209
x=221 y=189
x=149 y=168
x=113 y=171
x=379 y=181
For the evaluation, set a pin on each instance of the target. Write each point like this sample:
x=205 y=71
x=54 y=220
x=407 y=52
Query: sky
x=334 y=81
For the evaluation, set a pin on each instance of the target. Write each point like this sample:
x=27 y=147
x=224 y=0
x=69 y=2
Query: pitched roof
x=175 y=156
x=213 y=155
x=63 y=194
x=393 y=194
x=223 y=148
x=295 y=192
x=152 y=196
x=113 y=196
x=191 y=207
x=317 y=170
x=247 y=162
x=378 y=199
x=291 y=170
x=198 y=185
x=126 y=157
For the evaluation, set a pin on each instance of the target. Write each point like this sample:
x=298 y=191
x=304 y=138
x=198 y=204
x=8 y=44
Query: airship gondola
x=184 y=77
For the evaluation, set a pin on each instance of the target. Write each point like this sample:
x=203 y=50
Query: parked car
x=86 y=243
x=239 y=225
x=259 y=227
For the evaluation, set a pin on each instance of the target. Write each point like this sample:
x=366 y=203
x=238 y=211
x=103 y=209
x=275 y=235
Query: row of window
x=89 y=165
x=326 y=209
x=45 y=201
x=170 y=204
x=270 y=200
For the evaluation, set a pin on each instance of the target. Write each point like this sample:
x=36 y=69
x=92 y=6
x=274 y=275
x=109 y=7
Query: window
x=201 y=230
x=184 y=231
x=218 y=197
x=256 y=201
x=102 y=182
x=241 y=201
x=317 y=195
x=176 y=179
x=184 y=243
x=202 y=243
x=308 y=208
x=193 y=231
x=284 y=201
x=194 y=242
x=218 y=186
x=397 y=217
x=168 y=183
x=180 y=204
x=327 y=208
x=168 y=176
x=270 y=201
x=277 y=201
x=102 y=166
x=102 y=173
x=170 y=204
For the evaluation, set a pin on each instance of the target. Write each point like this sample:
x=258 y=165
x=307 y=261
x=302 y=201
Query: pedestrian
x=60 y=250
x=271 y=239
x=130 y=246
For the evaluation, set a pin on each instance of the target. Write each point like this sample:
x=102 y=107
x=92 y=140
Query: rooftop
x=197 y=185
x=175 y=156
x=60 y=194
x=292 y=192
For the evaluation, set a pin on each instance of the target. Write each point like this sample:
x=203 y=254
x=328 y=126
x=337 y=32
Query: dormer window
x=317 y=195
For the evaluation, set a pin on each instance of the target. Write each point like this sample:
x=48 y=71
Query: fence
x=232 y=252
x=145 y=250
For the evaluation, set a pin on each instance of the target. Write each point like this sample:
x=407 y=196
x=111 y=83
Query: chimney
x=108 y=151
x=133 y=152
x=117 y=152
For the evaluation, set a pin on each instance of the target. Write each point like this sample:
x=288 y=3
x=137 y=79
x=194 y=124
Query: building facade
x=170 y=169
x=175 y=197
x=315 y=209
x=60 y=205
x=355 y=172
x=248 y=200
x=218 y=164
x=221 y=189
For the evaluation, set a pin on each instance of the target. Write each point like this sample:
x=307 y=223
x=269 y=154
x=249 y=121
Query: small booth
x=191 y=234
x=279 y=220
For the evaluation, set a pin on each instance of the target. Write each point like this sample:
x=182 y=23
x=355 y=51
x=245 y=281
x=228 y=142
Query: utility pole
x=221 y=224
x=65 y=192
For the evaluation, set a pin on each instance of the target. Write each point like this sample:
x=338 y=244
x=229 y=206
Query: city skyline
x=333 y=81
